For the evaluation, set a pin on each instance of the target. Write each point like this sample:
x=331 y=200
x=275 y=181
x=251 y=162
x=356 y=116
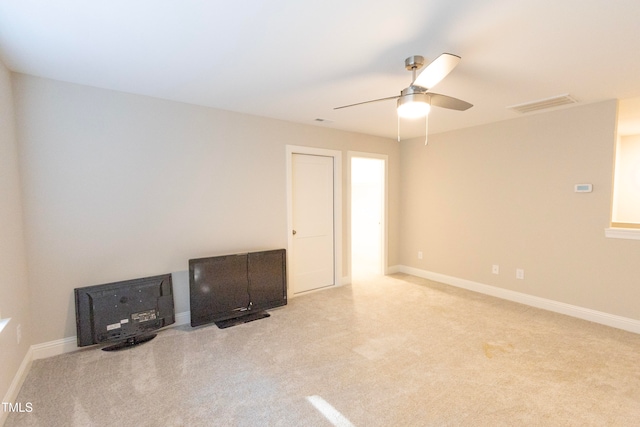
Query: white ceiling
x=297 y=59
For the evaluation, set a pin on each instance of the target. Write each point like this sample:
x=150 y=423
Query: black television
x=124 y=313
x=231 y=289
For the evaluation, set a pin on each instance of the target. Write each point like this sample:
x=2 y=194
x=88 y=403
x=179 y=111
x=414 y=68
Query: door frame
x=385 y=208
x=337 y=208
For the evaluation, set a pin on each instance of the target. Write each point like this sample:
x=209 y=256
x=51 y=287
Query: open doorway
x=368 y=215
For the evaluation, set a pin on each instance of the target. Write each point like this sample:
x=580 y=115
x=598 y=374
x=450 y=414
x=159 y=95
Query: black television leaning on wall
x=123 y=313
x=232 y=289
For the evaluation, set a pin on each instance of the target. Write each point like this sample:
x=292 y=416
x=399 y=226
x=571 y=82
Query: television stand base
x=130 y=342
x=222 y=324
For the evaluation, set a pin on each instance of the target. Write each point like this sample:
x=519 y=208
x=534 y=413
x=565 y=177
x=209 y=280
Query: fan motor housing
x=414 y=62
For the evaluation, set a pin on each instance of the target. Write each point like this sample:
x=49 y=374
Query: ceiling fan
x=415 y=101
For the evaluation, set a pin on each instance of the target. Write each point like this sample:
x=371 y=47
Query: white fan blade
x=436 y=70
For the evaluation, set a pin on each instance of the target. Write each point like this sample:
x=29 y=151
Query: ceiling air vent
x=543 y=104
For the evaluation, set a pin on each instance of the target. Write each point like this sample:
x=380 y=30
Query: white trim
x=337 y=207
x=393 y=269
x=183 y=318
x=56 y=348
x=16 y=384
x=69 y=344
x=622 y=233
x=624 y=323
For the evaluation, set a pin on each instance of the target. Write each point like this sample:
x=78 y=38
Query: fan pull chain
x=426 y=129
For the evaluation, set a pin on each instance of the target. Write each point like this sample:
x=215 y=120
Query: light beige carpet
x=394 y=351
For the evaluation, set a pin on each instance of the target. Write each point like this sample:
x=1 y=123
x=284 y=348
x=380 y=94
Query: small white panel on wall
x=583 y=188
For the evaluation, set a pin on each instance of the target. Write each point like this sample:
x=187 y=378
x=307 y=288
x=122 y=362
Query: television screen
x=218 y=288
x=236 y=286
x=127 y=311
x=268 y=279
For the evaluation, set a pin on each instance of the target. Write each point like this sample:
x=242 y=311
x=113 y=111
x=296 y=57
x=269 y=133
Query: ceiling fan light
x=413 y=106
x=413 y=110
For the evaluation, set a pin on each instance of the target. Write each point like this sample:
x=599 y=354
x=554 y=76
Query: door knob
x=294 y=232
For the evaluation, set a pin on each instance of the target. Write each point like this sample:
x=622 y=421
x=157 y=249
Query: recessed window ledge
x=622 y=233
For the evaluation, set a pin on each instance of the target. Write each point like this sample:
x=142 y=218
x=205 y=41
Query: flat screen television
x=232 y=289
x=123 y=313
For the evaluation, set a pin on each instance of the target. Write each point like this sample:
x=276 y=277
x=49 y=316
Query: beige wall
x=118 y=186
x=503 y=194
x=14 y=296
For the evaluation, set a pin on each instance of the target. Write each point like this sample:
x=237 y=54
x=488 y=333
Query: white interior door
x=313 y=222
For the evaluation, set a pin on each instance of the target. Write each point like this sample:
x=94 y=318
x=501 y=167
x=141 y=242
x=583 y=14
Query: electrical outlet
x=519 y=273
x=19 y=333
x=419 y=254
x=495 y=269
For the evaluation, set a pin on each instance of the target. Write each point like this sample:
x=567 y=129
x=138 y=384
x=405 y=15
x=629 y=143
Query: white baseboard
x=624 y=323
x=16 y=384
x=393 y=269
x=69 y=344
x=183 y=318
x=55 y=348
